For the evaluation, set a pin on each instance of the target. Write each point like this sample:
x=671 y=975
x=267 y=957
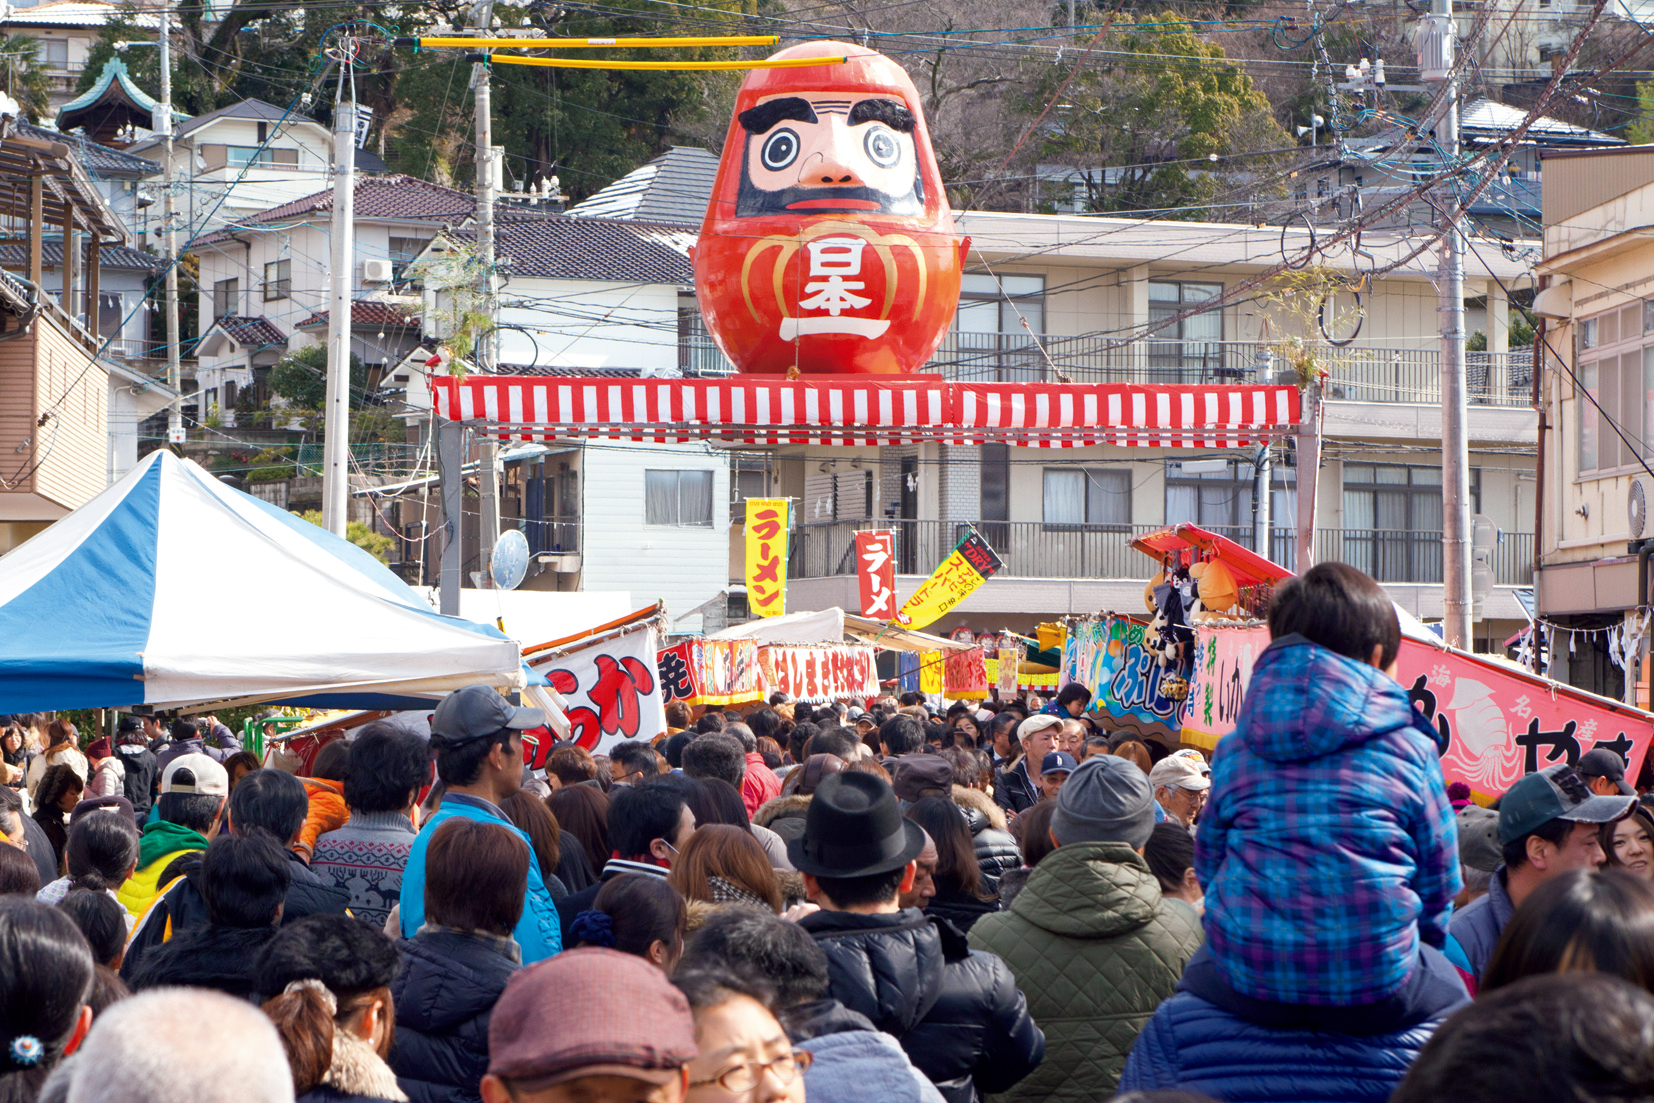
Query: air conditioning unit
x=376 y=271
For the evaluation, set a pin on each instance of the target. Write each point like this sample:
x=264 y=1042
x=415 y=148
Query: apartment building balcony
x=1391 y=375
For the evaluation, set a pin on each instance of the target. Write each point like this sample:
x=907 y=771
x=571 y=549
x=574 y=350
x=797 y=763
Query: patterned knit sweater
x=366 y=858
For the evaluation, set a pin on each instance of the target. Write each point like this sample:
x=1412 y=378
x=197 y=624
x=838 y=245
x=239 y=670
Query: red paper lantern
x=828 y=246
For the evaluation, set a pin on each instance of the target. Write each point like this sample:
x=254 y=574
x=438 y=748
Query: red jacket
x=760 y=783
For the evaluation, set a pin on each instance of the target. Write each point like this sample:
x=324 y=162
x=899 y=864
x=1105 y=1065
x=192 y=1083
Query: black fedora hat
x=854 y=828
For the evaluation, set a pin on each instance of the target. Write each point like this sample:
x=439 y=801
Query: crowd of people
x=868 y=899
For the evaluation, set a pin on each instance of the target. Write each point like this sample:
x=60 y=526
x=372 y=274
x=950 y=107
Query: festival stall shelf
x=101 y=607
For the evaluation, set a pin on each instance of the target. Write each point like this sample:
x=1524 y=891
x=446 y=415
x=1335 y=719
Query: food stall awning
x=834 y=625
x=868 y=411
x=891 y=638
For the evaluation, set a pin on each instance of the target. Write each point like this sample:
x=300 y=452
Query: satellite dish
x=1636 y=508
x=509 y=563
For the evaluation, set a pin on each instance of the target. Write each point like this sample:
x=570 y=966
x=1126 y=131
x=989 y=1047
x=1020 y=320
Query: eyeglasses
x=743 y=1078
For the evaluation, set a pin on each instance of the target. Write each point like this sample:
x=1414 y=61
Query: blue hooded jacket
x=1328 y=848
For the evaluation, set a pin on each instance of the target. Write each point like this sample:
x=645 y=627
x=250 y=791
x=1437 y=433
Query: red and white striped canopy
x=865 y=410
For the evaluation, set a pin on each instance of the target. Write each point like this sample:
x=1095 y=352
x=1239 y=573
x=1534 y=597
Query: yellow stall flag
x=972 y=563
x=767 y=556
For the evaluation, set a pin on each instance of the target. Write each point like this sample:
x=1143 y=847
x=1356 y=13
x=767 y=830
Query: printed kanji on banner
x=876 y=573
x=767 y=556
x=819 y=672
x=612 y=690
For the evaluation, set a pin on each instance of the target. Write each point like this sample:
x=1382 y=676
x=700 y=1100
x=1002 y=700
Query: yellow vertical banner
x=930 y=672
x=767 y=556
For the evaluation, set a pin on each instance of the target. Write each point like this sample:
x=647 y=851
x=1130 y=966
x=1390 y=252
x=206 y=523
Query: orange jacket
x=327 y=812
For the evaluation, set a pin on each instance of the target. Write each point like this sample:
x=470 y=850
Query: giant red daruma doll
x=828 y=246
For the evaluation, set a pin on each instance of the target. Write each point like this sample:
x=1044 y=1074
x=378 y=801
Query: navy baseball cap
x=1605 y=764
x=1555 y=793
x=1058 y=762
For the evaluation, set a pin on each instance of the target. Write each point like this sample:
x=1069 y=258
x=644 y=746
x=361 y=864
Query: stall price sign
x=876 y=573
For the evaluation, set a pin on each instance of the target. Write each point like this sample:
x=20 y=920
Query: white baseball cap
x=1178 y=773
x=204 y=777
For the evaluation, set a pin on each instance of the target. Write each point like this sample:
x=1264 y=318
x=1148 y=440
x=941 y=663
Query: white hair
x=172 y=1044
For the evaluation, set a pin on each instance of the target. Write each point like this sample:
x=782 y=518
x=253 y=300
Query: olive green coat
x=1094 y=949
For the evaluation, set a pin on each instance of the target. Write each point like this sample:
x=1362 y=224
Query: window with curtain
x=989 y=337
x=677 y=498
x=1190 y=344
x=226 y=298
x=1087 y=496
x=1614 y=352
x=1393 y=519
x=278 y=280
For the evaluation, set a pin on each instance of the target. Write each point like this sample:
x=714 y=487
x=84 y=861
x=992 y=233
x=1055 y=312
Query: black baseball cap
x=1604 y=763
x=476 y=712
x=1555 y=793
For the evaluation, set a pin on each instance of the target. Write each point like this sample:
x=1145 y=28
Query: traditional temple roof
x=112 y=104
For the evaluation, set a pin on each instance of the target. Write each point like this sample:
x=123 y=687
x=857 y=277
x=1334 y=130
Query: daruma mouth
x=834 y=204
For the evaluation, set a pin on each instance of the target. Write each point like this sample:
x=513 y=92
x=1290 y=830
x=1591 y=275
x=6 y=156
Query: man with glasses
x=478 y=739
x=1180 y=789
x=631 y=762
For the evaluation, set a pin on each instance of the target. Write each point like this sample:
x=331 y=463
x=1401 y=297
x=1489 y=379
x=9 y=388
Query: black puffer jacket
x=224 y=958
x=958 y=1014
x=996 y=849
x=444 y=995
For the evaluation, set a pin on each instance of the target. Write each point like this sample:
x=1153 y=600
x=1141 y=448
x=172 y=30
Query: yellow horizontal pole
x=616 y=43
x=606 y=63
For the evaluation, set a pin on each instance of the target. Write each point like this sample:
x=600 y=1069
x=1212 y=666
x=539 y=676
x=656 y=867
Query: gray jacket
x=1477 y=928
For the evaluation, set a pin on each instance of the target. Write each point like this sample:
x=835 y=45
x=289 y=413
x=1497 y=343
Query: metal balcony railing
x=1032 y=549
x=1357 y=374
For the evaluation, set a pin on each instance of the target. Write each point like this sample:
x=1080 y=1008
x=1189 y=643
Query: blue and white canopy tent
x=173 y=590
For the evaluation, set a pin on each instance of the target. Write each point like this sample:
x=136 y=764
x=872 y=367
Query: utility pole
x=169 y=233
x=336 y=423
x=1308 y=473
x=488 y=478
x=1262 y=469
x=1436 y=45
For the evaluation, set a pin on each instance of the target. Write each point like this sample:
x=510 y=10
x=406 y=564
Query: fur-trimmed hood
x=358 y=1072
x=794 y=804
x=973 y=801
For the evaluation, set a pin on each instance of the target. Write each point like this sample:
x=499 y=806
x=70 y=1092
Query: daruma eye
x=882 y=148
x=780 y=149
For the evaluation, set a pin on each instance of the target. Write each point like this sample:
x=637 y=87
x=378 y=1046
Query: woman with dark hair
x=1629 y=843
x=455 y=968
x=582 y=815
x=959 y=895
x=327 y=981
x=1584 y=921
x=102 y=920
x=59 y=791
x=531 y=814
x=720 y=802
x=239 y=765
x=19 y=876
x=1170 y=853
x=45 y=978
x=722 y=864
x=638 y=915
x=964 y=731
x=1032 y=830
x=101 y=853
x=14 y=748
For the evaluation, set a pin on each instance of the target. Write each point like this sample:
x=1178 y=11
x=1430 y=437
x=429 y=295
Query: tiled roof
x=97 y=160
x=395 y=196
x=367 y=314
x=15 y=254
x=251 y=332
x=552 y=246
x=254 y=109
x=673 y=188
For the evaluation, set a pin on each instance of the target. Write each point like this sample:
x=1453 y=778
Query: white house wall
x=589 y=324
x=681 y=565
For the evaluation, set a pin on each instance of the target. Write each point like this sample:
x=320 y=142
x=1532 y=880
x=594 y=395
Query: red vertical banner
x=876 y=573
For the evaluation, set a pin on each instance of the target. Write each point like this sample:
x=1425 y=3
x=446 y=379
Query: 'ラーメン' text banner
x=876 y=573
x=767 y=556
x=972 y=563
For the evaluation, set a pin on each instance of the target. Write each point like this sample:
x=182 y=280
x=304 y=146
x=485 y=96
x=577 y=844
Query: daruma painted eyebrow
x=758 y=120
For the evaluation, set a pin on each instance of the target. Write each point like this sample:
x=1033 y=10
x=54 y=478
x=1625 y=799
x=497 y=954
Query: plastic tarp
x=170 y=589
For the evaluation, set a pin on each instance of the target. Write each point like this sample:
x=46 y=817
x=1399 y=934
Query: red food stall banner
x=876 y=573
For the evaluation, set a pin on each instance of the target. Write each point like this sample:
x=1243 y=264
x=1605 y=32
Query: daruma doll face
x=828 y=247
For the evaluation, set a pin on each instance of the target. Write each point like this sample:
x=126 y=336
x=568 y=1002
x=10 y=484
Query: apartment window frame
x=1404 y=554
x=1614 y=362
x=403 y=250
x=236 y=157
x=54 y=54
x=278 y=280
x=1106 y=491
x=662 y=509
x=1189 y=350
x=1009 y=353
